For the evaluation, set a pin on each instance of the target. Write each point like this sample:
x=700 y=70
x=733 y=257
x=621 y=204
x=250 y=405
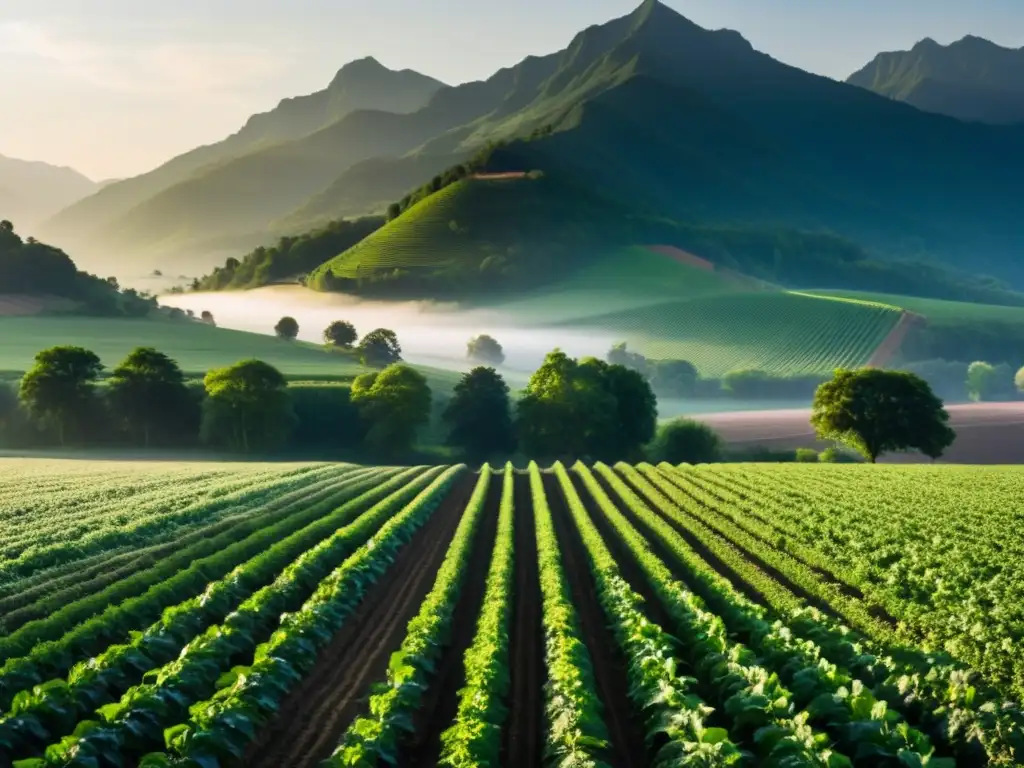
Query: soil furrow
x=315 y=715
x=523 y=737
x=625 y=731
x=442 y=698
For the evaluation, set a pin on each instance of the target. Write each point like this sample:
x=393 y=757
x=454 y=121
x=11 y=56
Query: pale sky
x=116 y=87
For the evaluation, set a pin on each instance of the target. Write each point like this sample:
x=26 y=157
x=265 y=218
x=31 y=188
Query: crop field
x=778 y=332
x=295 y=615
x=939 y=311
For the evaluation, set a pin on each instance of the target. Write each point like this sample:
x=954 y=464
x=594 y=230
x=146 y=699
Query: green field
x=778 y=332
x=938 y=311
x=196 y=346
x=303 y=615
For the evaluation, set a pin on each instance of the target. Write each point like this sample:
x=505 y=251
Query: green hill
x=970 y=79
x=779 y=332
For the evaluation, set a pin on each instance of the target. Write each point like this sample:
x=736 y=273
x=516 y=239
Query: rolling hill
x=32 y=191
x=970 y=79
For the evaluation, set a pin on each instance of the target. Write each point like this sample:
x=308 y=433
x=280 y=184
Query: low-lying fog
x=430 y=333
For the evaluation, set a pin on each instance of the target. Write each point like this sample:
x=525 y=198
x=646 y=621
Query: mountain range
x=31 y=191
x=668 y=119
x=970 y=79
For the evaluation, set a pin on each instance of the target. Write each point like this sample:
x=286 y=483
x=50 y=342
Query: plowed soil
x=523 y=739
x=315 y=715
x=441 y=702
x=625 y=732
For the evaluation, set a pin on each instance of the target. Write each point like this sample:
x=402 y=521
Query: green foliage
x=685 y=441
x=291 y=257
x=147 y=394
x=341 y=334
x=59 y=389
x=393 y=404
x=807 y=456
x=379 y=348
x=375 y=739
x=287 y=328
x=875 y=411
x=481 y=398
x=485 y=349
x=983 y=381
x=474 y=739
x=1018 y=379
x=247 y=407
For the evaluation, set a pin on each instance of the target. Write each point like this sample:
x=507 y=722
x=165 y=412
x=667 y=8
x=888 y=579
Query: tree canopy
x=875 y=411
x=247 y=407
x=59 y=389
x=287 y=328
x=481 y=398
x=380 y=348
x=340 y=333
x=394 y=404
x=685 y=441
x=485 y=349
x=147 y=395
x=585 y=409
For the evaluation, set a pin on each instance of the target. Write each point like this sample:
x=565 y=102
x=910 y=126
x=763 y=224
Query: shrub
x=685 y=441
x=806 y=455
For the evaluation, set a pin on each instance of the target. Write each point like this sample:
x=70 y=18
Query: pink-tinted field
x=987 y=433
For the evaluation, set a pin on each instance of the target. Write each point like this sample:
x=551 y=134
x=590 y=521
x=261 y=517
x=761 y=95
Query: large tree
x=685 y=441
x=340 y=333
x=394 y=404
x=247 y=407
x=147 y=395
x=479 y=415
x=59 y=390
x=380 y=348
x=585 y=409
x=875 y=411
x=287 y=328
x=485 y=349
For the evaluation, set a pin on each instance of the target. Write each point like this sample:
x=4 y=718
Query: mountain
x=109 y=217
x=32 y=191
x=656 y=114
x=971 y=79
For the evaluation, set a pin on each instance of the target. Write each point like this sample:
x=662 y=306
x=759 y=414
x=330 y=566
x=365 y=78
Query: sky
x=115 y=87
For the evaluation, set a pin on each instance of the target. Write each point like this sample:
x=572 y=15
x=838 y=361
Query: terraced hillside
x=777 y=331
x=622 y=616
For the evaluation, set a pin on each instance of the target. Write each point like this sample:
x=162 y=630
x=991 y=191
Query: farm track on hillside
x=636 y=613
x=318 y=712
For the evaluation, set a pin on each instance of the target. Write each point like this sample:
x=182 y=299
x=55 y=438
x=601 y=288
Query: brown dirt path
x=315 y=715
x=523 y=737
x=625 y=731
x=891 y=344
x=441 y=702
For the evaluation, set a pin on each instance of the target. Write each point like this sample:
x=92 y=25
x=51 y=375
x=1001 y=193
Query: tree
x=147 y=395
x=207 y=317
x=247 y=407
x=619 y=355
x=982 y=381
x=1018 y=380
x=674 y=378
x=59 y=390
x=875 y=411
x=287 y=328
x=380 y=348
x=394 y=404
x=340 y=333
x=685 y=441
x=481 y=399
x=585 y=409
x=485 y=349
